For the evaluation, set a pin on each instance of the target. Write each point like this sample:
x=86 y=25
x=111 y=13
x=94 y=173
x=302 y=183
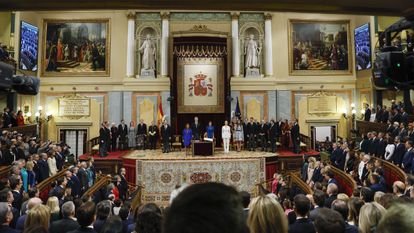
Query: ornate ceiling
x=366 y=7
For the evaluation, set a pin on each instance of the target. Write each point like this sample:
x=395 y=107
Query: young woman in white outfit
x=226 y=135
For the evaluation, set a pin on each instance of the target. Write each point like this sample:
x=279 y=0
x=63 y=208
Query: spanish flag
x=160 y=113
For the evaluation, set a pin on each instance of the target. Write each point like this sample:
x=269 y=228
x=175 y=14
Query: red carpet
x=119 y=154
x=111 y=155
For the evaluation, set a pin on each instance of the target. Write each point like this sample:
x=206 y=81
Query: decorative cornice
x=268 y=16
x=131 y=15
x=165 y=15
x=235 y=15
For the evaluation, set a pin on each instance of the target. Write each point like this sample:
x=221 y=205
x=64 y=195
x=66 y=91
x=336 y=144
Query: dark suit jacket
x=329 y=200
x=365 y=146
x=404 y=118
x=17 y=203
x=396 y=118
x=104 y=135
x=381 y=148
x=153 y=128
x=122 y=131
x=123 y=188
x=83 y=230
x=142 y=129
x=385 y=116
x=407 y=160
x=83 y=178
x=374 y=145
x=98 y=224
x=166 y=133
x=398 y=155
x=7 y=229
x=367 y=114
x=197 y=130
x=272 y=132
x=63 y=226
x=295 y=132
x=76 y=186
x=303 y=225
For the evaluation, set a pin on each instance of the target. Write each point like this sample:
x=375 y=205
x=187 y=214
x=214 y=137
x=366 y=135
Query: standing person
x=123 y=185
x=196 y=129
x=43 y=168
x=209 y=130
x=408 y=157
x=238 y=135
x=187 y=136
x=123 y=135
x=132 y=143
x=83 y=177
x=114 y=137
x=273 y=129
x=153 y=135
x=141 y=134
x=295 y=133
x=367 y=114
x=20 y=118
x=165 y=137
x=104 y=135
x=226 y=135
x=51 y=161
x=264 y=128
x=251 y=134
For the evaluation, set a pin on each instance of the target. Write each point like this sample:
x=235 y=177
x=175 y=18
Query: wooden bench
x=392 y=173
x=346 y=184
x=101 y=182
x=296 y=180
x=45 y=186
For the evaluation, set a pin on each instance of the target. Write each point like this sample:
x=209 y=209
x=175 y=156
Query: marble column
x=268 y=45
x=130 y=72
x=235 y=42
x=164 y=43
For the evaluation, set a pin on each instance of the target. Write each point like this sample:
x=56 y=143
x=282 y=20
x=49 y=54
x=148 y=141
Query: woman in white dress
x=132 y=142
x=311 y=169
x=226 y=135
x=51 y=161
x=389 y=149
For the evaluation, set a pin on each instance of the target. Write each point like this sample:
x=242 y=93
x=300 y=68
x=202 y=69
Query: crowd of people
x=11 y=118
x=397 y=112
x=251 y=134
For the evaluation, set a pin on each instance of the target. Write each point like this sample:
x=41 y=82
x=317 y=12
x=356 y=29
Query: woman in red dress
x=20 y=118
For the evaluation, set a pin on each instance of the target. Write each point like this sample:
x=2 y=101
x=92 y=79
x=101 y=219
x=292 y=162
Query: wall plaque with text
x=74 y=107
x=322 y=104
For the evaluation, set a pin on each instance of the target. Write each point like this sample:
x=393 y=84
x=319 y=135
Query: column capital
x=235 y=15
x=131 y=14
x=165 y=15
x=268 y=16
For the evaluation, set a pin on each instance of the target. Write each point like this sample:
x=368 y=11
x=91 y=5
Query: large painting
x=200 y=85
x=319 y=48
x=76 y=47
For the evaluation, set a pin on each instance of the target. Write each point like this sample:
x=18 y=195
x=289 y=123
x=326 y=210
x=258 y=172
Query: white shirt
x=389 y=151
x=361 y=169
x=225 y=132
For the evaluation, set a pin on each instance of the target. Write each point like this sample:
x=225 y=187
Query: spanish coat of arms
x=200 y=85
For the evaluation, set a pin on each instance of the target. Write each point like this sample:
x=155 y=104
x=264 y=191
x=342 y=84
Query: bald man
x=398 y=188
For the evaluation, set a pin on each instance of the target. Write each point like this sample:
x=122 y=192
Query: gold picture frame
x=218 y=107
x=318 y=58
x=66 y=55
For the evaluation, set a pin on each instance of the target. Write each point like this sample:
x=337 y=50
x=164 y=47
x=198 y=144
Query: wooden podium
x=202 y=148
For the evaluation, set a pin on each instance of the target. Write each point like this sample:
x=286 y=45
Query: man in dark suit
x=378 y=114
x=142 y=132
x=85 y=217
x=385 y=114
x=382 y=143
x=68 y=222
x=408 y=157
x=123 y=134
x=114 y=137
x=302 y=223
x=332 y=192
x=336 y=152
x=402 y=131
x=165 y=137
x=76 y=184
x=295 y=134
x=6 y=118
x=15 y=186
x=397 y=116
x=251 y=145
x=43 y=168
x=245 y=131
x=272 y=135
x=367 y=114
x=404 y=117
x=60 y=186
x=104 y=139
x=153 y=135
x=374 y=143
x=59 y=156
x=318 y=203
x=123 y=185
x=264 y=132
x=83 y=177
x=410 y=133
x=399 y=152
x=196 y=129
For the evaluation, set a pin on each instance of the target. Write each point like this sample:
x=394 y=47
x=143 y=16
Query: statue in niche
x=148 y=51
x=252 y=52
